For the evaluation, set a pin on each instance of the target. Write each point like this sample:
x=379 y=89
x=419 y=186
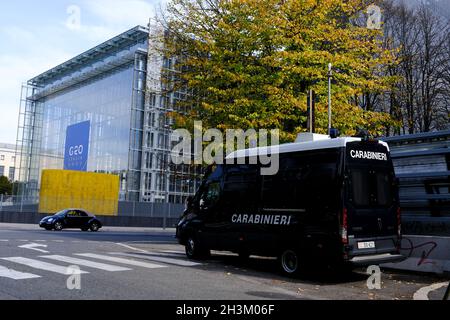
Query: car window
x=61 y=213
x=72 y=214
x=82 y=214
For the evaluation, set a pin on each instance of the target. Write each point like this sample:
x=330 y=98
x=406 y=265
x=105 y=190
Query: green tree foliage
x=5 y=186
x=250 y=63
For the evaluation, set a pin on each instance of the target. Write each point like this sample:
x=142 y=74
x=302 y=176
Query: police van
x=333 y=201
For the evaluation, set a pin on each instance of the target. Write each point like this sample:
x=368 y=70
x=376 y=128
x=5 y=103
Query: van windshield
x=371 y=187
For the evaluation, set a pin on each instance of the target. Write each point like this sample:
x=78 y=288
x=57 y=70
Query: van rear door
x=371 y=198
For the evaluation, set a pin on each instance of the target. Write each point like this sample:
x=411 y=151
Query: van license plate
x=366 y=245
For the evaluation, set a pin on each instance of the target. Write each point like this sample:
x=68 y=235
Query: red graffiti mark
x=425 y=253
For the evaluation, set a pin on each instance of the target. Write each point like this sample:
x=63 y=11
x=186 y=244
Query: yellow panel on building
x=95 y=192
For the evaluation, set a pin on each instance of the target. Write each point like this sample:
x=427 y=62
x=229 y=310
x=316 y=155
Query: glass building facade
x=118 y=87
x=106 y=104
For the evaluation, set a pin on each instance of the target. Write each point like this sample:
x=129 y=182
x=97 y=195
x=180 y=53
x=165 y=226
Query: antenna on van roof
x=330 y=76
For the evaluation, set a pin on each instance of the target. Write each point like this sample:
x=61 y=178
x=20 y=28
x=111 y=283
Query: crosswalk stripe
x=172 y=252
x=152 y=257
x=36 y=264
x=16 y=275
x=120 y=260
x=86 y=263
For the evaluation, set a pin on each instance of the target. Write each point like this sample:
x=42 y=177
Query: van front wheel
x=290 y=262
x=194 y=249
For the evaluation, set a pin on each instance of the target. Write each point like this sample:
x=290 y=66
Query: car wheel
x=194 y=249
x=94 y=227
x=290 y=262
x=58 y=226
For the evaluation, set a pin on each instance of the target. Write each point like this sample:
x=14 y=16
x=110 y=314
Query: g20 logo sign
x=76 y=150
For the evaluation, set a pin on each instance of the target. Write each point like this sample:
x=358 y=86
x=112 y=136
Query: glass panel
x=361 y=192
x=371 y=188
x=384 y=189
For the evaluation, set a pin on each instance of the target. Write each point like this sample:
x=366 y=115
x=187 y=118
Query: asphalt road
x=148 y=264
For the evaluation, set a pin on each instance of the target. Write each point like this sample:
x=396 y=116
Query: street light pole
x=330 y=75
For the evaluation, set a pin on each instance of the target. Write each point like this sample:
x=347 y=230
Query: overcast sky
x=38 y=35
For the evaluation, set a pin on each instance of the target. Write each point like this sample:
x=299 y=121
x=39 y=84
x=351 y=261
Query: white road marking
x=86 y=263
x=36 y=264
x=120 y=260
x=422 y=293
x=174 y=252
x=149 y=242
x=1 y=240
x=39 y=240
x=130 y=247
x=159 y=259
x=16 y=275
x=60 y=241
x=33 y=246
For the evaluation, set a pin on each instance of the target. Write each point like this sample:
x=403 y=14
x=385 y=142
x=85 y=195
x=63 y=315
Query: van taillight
x=399 y=222
x=344 y=226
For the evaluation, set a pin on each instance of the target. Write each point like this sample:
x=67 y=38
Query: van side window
x=304 y=180
x=286 y=190
x=210 y=195
x=322 y=180
x=241 y=186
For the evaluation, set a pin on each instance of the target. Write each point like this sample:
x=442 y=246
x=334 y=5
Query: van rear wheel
x=194 y=249
x=290 y=262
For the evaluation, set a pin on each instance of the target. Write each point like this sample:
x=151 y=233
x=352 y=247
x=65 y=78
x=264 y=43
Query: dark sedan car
x=71 y=219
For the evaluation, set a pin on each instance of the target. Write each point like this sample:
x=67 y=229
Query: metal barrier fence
x=125 y=209
x=422 y=164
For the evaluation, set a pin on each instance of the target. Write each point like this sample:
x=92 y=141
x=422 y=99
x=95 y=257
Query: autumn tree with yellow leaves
x=250 y=63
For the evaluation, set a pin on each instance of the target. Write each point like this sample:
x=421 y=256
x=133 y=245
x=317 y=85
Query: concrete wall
x=422 y=164
x=425 y=254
